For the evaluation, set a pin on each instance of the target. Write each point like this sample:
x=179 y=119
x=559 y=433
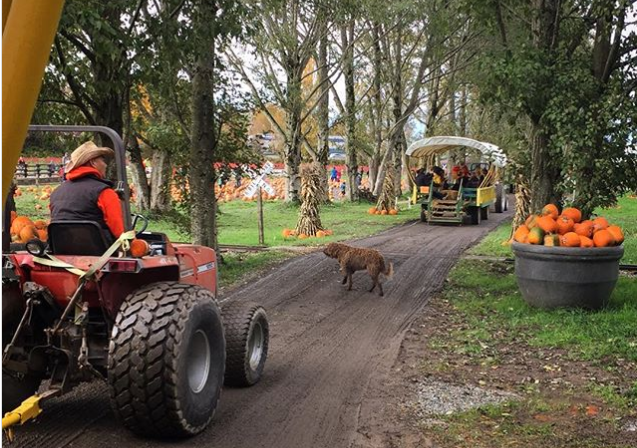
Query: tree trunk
x=347 y=34
x=323 y=110
x=138 y=174
x=543 y=171
x=160 y=180
x=203 y=139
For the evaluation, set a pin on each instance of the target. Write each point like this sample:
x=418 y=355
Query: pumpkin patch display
x=567 y=229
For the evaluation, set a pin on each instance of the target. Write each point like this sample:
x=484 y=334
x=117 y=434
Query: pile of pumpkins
x=375 y=211
x=552 y=228
x=290 y=233
x=23 y=229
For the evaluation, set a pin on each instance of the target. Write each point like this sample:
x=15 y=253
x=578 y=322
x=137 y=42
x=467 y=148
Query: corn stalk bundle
x=522 y=206
x=386 y=198
x=312 y=193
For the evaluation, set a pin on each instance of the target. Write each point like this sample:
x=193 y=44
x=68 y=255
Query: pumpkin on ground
x=371 y=210
x=320 y=234
x=393 y=211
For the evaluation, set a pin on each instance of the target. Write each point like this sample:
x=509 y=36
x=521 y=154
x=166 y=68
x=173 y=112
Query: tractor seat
x=77 y=238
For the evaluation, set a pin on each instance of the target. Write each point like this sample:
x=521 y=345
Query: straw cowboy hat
x=87 y=152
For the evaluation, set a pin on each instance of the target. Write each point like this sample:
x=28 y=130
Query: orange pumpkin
x=572 y=213
x=550 y=210
x=584 y=229
x=521 y=233
x=393 y=211
x=371 y=210
x=603 y=238
x=531 y=221
x=586 y=242
x=19 y=223
x=28 y=233
x=383 y=212
x=547 y=224
x=287 y=233
x=302 y=236
x=570 y=239
x=599 y=223
x=617 y=234
x=328 y=232
x=564 y=225
x=42 y=234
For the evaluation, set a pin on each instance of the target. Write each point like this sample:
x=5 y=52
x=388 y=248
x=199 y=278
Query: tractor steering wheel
x=144 y=221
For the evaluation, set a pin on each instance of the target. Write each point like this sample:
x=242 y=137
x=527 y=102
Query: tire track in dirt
x=330 y=354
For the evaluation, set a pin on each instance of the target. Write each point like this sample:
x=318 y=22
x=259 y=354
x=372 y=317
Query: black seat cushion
x=76 y=238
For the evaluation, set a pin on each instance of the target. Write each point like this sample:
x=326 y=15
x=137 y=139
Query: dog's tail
x=389 y=272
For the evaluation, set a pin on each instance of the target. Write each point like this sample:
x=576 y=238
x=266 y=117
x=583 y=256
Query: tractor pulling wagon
x=140 y=314
x=474 y=202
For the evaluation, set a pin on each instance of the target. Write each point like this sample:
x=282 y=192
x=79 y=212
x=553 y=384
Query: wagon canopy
x=439 y=145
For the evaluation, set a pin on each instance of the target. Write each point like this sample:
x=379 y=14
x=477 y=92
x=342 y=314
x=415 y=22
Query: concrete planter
x=554 y=277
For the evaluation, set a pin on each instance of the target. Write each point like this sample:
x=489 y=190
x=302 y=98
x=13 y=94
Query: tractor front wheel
x=247 y=338
x=166 y=360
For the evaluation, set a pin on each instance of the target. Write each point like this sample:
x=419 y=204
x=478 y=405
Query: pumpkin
x=603 y=238
x=584 y=229
x=19 y=223
x=586 y=242
x=383 y=212
x=40 y=224
x=521 y=233
x=570 y=239
x=43 y=234
x=617 y=234
x=573 y=213
x=552 y=240
x=328 y=232
x=320 y=234
x=550 y=210
x=564 y=225
x=287 y=233
x=599 y=223
x=372 y=210
x=536 y=236
x=531 y=221
x=28 y=233
x=302 y=236
x=547 y=224
x=393 y=211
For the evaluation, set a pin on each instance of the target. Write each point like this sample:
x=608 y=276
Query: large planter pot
x=554 y=277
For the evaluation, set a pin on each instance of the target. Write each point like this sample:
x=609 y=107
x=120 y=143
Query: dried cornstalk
x=386 y=198
x=312 y=192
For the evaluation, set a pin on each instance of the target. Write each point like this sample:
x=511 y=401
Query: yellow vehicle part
x=28 y=29
x=30 y=408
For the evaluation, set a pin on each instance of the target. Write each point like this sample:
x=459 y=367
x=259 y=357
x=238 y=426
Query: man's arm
x=109 y=203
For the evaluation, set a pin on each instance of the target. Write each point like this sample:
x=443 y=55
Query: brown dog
x=354 y=259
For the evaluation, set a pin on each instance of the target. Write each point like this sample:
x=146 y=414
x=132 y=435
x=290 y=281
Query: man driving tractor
x=87 y=194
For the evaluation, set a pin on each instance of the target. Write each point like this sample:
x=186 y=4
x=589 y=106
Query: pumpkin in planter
x=599 y=223
x=586 y=242
x=531 y=221
x=547 y=224
x=603 y=238
x=573 y=213
x=536 y=236
x=564 y=225
x=550 y=210
x=521 y=234
x=552 y=240
x=570 y=239
x=584 y=229
x=617 y=234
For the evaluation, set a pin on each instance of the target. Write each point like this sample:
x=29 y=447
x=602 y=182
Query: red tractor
x=141 y=315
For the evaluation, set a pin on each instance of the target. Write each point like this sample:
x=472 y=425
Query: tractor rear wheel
x=166 y=360
x=247 y=337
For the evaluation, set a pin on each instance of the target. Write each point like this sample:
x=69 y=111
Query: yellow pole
x=6 y=6
x=26 y=43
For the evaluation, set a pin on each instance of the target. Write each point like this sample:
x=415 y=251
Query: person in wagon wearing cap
x=87 y=194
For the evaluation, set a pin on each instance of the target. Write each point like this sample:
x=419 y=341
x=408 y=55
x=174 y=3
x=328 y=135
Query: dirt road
x=331 y=354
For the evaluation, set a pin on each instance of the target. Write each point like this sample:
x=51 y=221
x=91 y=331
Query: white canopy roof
x=439 y=145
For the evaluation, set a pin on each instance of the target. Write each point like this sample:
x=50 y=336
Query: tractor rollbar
x=120 y=157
